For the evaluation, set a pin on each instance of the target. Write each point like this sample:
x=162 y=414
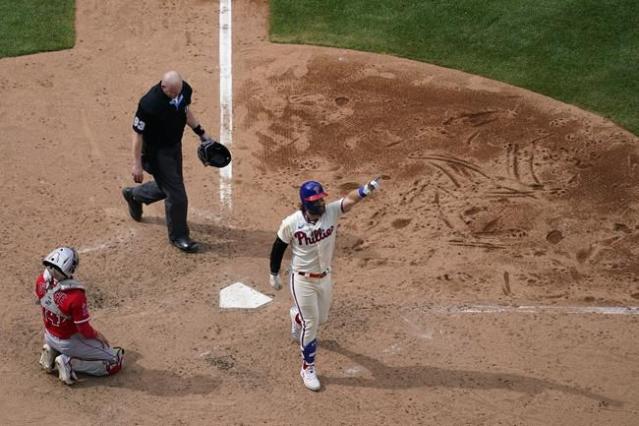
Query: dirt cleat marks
x=472 y=137
x=554 y=236
x=506 y=286
x=477 y=244
x=341 y=100
x=475 y=119
x=447 y=174
x=400 y=223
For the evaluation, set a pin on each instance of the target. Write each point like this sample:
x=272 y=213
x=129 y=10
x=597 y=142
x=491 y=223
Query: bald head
x=171 y=84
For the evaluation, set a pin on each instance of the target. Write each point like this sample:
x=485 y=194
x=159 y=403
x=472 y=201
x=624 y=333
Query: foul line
x=532 y=309
x=226 y=99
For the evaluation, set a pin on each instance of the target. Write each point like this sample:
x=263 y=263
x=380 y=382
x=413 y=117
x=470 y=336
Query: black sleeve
x=141 y=119
x=277 y=253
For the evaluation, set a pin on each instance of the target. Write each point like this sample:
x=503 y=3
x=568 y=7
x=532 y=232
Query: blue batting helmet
x=310 y=191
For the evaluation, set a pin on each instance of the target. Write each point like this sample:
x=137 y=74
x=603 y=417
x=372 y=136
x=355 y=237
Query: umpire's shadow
x=386 y=377
x=229 y=242
x=224 y=241
x=155 y=382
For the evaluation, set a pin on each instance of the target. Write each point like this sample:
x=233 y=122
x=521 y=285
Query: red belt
x=313 y=274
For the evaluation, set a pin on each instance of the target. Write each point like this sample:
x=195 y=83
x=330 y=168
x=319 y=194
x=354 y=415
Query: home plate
x=241 y=296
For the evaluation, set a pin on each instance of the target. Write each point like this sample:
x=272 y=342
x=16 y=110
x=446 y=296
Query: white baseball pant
x=88 y=356
x=313 y=298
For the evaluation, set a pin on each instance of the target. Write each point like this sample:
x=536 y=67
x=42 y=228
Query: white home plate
x=241 y=296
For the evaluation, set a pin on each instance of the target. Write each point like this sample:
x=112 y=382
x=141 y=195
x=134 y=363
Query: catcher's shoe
x=310 y=377
x=135 y=207
x=65 y=372
x=47 y=358
x=296 y=328
x=117 y=366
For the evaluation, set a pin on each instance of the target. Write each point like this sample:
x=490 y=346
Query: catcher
x=70 y=343
x=311 y=231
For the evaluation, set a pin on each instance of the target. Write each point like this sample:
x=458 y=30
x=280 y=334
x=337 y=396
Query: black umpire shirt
x=160 y=119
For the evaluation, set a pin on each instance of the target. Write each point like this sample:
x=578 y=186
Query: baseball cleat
x=119 y=353
x=117 y=366
x=309 y=376
x=47 y=358
x=296 y=328
x=65 y=372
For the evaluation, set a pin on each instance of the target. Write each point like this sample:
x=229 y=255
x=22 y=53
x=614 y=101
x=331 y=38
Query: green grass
x=30 y=26
x=583 y=52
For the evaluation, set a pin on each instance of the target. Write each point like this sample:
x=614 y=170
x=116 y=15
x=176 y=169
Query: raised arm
x=357 y=195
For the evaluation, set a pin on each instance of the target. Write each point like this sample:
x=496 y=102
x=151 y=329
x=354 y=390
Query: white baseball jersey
x=312 y=244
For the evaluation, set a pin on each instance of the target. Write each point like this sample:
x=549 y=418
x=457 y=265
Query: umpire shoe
x=135 y=207
x=310 y=378
x=65 y=372
x=186 y=244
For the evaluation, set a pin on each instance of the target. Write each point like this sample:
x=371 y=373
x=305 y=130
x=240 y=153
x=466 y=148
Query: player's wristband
x=362 y=191
x=198 y=130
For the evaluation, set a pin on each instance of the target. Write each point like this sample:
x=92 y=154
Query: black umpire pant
x=165 y=165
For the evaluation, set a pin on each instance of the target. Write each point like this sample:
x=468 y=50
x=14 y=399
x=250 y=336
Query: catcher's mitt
x=212 y=153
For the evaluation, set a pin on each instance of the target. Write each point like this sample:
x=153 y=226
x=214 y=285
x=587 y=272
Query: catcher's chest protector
x=48 y=300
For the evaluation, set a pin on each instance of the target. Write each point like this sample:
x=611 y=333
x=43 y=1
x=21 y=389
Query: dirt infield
x=492 y=196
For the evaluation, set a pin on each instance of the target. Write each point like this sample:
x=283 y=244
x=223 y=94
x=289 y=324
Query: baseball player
x=311 y=232
x=70 y=343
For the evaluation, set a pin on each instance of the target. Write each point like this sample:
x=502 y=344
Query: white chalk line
x=108 y=244
x=226 y=99
x=531 y=309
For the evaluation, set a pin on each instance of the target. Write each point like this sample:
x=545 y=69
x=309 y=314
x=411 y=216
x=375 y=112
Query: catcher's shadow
x=387 y=377
x=155 y=382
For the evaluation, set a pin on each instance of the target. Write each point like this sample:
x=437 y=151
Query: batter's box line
x=532 y=309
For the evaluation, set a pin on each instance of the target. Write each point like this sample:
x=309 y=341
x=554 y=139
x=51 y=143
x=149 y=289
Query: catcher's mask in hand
x=212 y=153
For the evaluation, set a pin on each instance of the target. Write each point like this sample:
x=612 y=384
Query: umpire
x=158 y=128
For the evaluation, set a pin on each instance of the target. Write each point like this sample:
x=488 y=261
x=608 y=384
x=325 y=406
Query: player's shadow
x=387 y=377
x=155 y=382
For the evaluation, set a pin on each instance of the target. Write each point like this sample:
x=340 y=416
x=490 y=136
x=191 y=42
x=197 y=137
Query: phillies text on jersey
x=312 y=244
